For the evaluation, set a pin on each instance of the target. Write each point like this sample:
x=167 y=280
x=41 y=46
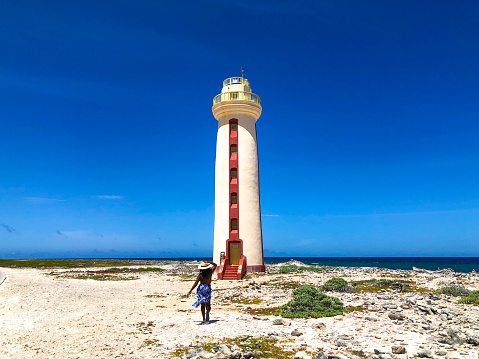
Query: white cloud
x=109 y=197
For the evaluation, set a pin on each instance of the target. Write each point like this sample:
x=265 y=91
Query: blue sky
x=368 y=141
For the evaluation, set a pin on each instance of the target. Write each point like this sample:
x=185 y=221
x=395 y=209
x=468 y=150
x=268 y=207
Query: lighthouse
x=238 y=239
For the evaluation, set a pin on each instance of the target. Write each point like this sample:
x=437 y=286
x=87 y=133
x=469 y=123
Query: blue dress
x=203 y=294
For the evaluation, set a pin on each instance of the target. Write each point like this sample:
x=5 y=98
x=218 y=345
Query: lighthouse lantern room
x=238 y=239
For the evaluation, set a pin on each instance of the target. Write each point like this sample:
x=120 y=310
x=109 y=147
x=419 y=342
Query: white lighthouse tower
x=238 y=239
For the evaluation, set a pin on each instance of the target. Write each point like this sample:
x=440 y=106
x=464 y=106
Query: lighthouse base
x=257 y=268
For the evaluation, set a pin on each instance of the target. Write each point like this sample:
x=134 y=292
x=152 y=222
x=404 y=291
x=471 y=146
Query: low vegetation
x=454 y=290
x=293 y=268
x=109 y=274
x=246 y=300
x=62 y=263
x=155 y=296
x=378 y=285
x=283 y=284
x=100 y=277
x=268 y=347
x=309 y=302
x=336 y=284
x=263 y=311
x=472 y=298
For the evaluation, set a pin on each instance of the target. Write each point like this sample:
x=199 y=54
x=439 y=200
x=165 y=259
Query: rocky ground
x=92 y=313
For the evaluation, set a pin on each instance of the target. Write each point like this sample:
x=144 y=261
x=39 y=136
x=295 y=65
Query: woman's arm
x=194 y=285
x=212 y=269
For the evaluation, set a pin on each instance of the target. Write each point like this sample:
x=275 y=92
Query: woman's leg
x=203 y=311
x=208 y=308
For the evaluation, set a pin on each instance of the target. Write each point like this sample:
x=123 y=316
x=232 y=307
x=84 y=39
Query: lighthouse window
x=234 y=127
x=234 y=149
x=234 y=224
x=234 y=198
x=234 y=173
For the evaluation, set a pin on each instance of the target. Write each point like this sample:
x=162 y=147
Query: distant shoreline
x=459 y=264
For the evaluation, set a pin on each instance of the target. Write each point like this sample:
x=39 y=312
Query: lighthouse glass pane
x=234 y=198
x=234 y=173
x=234 y=224
x=234 y=149
x=234 y=127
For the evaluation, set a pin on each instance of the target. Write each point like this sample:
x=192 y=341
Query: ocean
x=461 y=264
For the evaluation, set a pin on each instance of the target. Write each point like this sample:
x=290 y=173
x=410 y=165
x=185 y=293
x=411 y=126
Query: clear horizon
x=367 y=140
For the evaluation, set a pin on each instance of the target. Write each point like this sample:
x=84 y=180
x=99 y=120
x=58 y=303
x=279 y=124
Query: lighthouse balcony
x=235 y=81
x=236 y=96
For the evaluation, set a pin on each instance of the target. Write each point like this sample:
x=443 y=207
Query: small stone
x=398 y=349
x=320 y=326
x=197 y=352
x=384 y=356
x=300 y=355
x=441 y=352
x=248 y=355
x=371 y=319
x=455 y=338
x=296 y=333
x=472 y=339
x=321 y=355
x=281 y=321
x=396 y=316
x=379 y=351
x=224 y=349
x=424 y=354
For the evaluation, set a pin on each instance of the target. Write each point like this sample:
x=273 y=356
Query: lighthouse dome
x=234 y=84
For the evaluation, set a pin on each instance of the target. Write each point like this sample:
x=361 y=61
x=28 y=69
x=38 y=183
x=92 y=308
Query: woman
x=203 y=293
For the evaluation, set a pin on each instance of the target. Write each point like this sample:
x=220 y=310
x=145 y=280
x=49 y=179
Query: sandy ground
x=46 y=316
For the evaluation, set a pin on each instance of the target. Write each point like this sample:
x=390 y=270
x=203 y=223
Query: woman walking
x=203 y=293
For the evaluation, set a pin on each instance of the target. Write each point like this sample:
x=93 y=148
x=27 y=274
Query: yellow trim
x=237 y=96
x=235 y=80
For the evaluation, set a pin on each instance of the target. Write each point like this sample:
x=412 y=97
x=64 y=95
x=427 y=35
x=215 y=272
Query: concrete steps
x=231 y=273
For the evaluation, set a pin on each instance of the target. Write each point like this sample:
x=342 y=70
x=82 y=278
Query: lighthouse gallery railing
x=236 y=96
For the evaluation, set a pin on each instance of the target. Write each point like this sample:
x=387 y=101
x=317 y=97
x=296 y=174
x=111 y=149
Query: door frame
x=228 y=241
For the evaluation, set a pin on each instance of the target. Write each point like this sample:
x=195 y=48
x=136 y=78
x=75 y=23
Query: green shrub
x=472 y=298
x=309 y=302
x=292 y=268
x=455 y=290
x=336 y=284
x=383 y=281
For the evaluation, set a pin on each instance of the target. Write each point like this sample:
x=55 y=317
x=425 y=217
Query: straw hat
x=205 y=265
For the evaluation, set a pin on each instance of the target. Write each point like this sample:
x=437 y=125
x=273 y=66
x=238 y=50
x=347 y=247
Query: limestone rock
x=472 y=339
x=398 y=349
x=424 y=354
x=454 y=337
x=198 y=353
x=281 y=321
x=319 y=325
x=296 y=333
x=224 y=349
x=302 y=355
x=396 y=316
